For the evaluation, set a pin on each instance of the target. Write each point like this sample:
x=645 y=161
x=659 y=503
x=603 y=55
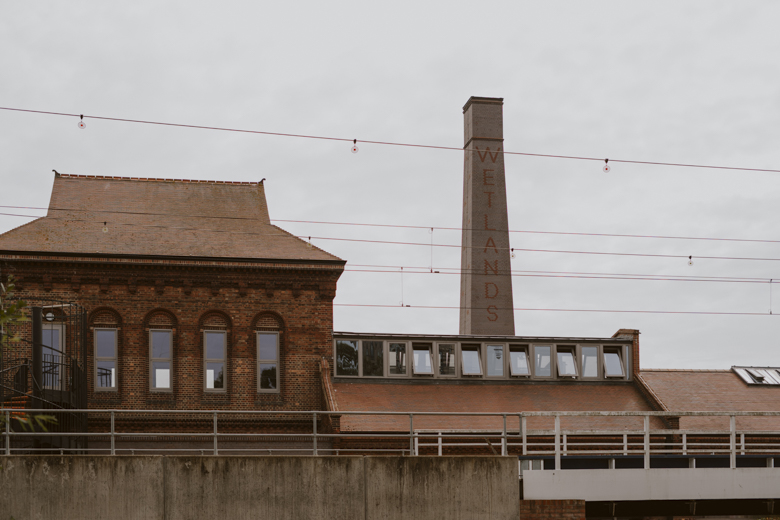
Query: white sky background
x=672 y=81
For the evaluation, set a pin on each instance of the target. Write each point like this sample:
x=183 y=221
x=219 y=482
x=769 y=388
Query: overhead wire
x=396 y=226
x=388 y=143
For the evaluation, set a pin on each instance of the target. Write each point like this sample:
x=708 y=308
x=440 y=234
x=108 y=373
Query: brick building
x=193 y=299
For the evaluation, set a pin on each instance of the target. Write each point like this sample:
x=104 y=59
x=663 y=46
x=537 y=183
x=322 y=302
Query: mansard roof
x=159 y=217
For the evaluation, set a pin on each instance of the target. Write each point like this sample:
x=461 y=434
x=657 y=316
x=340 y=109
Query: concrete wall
x=172 y=488
x=652 y=484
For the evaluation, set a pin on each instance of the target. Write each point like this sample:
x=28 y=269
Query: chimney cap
x=484 y=100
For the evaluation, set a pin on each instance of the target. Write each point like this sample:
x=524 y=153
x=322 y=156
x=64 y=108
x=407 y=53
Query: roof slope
x=509 y=398
x=714 y=391
x=158 y=217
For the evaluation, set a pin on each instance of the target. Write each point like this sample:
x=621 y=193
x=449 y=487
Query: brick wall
x=552 y=509
x=294 y=300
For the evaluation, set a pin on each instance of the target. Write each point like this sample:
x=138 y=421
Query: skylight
x=759 y=375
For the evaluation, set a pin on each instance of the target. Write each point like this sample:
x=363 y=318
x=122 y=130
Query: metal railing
x=216 y=432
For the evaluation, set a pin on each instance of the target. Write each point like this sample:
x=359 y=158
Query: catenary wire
x=427 y=244
x=389 y=143
x=397 y=226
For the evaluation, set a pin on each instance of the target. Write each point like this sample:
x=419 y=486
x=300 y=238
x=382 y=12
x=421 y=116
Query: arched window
x=160 y=324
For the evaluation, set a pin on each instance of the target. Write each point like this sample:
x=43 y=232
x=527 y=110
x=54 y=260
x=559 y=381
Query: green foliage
x=10 y=313
x=29 y=422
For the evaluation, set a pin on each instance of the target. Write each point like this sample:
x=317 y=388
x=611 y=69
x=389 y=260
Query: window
x=215 y=346
x=105 y=359
x=447 y=360
x=397 y=361
x=53 y=335
x=373 y=358
x=470 y=362
x=590 y=361
x=267 y=362
x=613 y=365
x=518 y=362
x=566 y=366
x=422 y=360
x=160 y=359
x=346 y=358
x=495 y=360
x=542 y=361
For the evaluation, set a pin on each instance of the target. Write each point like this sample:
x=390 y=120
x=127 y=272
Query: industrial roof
x=159 y=217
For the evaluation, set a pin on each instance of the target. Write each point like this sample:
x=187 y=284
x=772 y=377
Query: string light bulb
x=354 y=146
x=514 y=255
x=82 y=124
x=308 y=244
x=690 y=260
x=607 y=169
x=105 y=227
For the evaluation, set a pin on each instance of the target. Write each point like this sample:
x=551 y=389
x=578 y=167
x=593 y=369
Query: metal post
x=647 y=442
x=7 y=432
x=685 y=444
x=440 y=444
x=565 y=442
x=732 y=442
x=742 y=442
x=557 y=442
x=503 y=439
x=523 y=429
x=315 y=433
x=216 y=451
x=113 y=446
x=416 y=445
x=625 y=444
x=411 y=434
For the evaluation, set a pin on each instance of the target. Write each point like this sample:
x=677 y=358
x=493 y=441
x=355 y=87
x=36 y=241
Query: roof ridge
x=154 y=179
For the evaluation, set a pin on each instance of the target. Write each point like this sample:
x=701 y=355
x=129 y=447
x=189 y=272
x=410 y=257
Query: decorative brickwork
x=193 y=297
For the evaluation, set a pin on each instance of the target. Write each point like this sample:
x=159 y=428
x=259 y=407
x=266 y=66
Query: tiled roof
x=714 y=391
x=509 y=398
x=159 y=217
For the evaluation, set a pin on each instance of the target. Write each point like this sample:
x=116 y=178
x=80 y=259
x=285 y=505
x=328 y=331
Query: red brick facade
x=189 y=297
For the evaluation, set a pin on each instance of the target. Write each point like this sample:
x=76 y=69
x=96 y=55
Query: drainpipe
x=37 y=354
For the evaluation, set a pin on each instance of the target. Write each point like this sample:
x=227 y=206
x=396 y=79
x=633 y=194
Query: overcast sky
x=671 y=81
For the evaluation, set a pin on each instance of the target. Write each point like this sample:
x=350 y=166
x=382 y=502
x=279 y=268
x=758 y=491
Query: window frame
x=336 y=357
x=207 y=360
x=437 y=360
x=553 y=371
x=528 y=362
x=620 y=351
x=115 y=359
x=503 y=360
x=571 y=350
x=428 y=347
x=152 y=359
x=407 y=345
x=360 y=358
x=277 y=362
x=469 y=347
x=581 y=362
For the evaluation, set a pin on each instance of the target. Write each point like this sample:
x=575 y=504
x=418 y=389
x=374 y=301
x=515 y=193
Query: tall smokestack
x=486 y=305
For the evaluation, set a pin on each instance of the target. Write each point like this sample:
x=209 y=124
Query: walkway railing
x=554 y=436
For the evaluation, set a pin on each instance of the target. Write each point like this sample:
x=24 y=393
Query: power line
x=396 y=226
x=532 y=309
x=425 y=244
x=388 y=143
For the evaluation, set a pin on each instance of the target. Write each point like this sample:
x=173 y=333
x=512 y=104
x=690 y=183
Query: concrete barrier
x=173 y=488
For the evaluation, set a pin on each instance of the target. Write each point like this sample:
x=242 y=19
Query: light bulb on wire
x=354 y=146
x=82 y=124
x=606 y=166
x=105 y=227
x=690 y=260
